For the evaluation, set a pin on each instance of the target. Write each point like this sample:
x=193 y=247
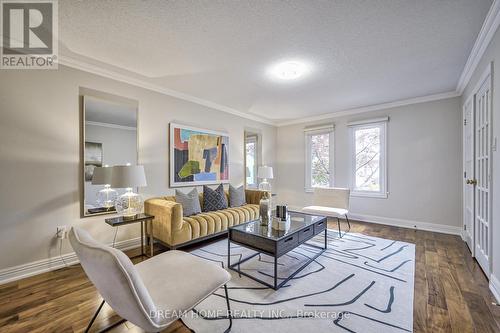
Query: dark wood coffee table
x=264 y=239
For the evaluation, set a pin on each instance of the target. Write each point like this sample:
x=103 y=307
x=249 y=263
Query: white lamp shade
x=125 y=176
x=102 y=176
x=265 y=172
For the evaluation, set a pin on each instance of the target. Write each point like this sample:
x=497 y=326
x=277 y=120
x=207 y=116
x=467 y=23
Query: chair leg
x=229 y=315
x=121 y=321
x=348 y=223
x=95 y=316
x=338 y=224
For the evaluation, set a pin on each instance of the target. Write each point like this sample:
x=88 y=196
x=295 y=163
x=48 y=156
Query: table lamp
x=265 y=173
x=107 y=196
x=128 y=204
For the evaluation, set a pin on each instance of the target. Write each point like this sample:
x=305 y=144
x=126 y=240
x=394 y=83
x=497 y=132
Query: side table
x=142 y=218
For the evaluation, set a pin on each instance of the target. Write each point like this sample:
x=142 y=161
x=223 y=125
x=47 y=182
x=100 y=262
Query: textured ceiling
x=361 y=52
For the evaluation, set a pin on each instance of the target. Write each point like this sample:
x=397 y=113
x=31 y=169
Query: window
x=251 y=161
x=319 y=157
x=368 y=158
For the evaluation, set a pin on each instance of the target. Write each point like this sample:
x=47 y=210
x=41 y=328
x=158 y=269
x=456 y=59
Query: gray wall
x=424 y=164
x=492 y=54
x=39 y=154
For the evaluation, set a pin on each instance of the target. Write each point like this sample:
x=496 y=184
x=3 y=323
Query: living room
x=265 y=165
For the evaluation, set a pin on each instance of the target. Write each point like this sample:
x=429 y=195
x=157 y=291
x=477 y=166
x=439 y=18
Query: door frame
x=472 y=101
x=487 y=74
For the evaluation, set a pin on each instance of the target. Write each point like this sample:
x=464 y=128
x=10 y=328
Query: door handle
x=471 y=181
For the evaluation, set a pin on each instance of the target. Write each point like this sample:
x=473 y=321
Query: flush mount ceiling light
x=289 y=70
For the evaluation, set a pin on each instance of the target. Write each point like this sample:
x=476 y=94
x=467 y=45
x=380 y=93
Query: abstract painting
x=198 y=156
x=93 y=158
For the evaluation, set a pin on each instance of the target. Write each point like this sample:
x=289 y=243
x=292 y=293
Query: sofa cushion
x=190 y=202
x=236 y=196
x=214 y=199
x=205 y=224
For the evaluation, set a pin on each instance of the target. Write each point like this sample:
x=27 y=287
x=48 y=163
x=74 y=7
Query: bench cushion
x=325 y=211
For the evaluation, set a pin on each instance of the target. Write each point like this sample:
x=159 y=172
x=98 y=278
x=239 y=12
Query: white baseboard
x=15 y=273
x=495 y=287
x=416 y=225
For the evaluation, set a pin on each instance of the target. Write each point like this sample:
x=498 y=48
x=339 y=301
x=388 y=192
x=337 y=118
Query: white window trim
x=307 y=134
x=254 y=139
x=382 y=122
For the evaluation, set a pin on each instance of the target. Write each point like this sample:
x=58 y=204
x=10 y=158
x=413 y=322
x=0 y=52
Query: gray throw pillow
x=236 y=196
x=190 y=202
x=214 y=199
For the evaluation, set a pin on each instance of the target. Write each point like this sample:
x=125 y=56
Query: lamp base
x=106 y=197
x=129 y=204
x=265 y=186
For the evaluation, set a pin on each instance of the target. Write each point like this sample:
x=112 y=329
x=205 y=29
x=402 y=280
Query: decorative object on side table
x=265 y=173
x=145 y=220
x=128 y=204
x=107 y=196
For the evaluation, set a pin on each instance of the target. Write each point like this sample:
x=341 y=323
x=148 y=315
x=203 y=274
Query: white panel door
x=483 y=175
x=468 y=166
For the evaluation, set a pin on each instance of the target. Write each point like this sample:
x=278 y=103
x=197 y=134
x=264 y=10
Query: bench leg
x=348 y=223
x=338 y=224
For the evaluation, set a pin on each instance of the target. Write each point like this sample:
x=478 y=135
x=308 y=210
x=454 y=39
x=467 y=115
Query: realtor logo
x=29 y=34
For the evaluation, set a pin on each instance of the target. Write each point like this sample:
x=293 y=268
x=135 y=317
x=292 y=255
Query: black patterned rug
x=360 y=284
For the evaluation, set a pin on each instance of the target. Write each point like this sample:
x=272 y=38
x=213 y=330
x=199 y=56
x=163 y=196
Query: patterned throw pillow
x=190 y=202
x=236 y=196
x=214 y=200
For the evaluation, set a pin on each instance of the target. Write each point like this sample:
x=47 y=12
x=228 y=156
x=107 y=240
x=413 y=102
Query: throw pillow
x=190 y=202
x=214 y=199
x=236 y=196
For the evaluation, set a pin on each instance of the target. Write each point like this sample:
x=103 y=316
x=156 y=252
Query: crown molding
x=90 y=68
x=490 y=26
x=108 y=125
x=369 y=108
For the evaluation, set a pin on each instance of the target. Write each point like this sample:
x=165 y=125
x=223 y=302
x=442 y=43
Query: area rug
x=360 y=284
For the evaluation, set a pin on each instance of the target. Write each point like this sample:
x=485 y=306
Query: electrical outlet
x=61 y=232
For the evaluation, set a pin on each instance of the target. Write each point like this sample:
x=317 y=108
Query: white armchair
x=152 y=293
x=331 y=202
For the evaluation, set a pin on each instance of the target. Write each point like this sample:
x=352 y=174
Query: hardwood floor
x=451 y=292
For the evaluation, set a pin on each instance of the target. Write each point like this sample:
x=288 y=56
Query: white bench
x=330 y=202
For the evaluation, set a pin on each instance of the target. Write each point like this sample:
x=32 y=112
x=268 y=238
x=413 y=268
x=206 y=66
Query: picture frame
x=198 y=156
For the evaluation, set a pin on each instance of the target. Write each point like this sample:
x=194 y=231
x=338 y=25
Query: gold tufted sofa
x=173 y=229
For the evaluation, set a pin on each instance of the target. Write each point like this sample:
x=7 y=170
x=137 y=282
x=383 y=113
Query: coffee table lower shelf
x=237 y=266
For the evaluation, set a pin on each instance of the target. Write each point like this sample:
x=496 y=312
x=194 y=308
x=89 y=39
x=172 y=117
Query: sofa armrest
x=168 y=217
x=253 y=196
